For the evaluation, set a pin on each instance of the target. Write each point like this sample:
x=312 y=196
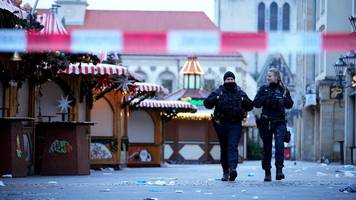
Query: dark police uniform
x=231 y=106
x=272 y=121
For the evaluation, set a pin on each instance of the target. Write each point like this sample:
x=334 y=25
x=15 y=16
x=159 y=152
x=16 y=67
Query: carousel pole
x=34 y=7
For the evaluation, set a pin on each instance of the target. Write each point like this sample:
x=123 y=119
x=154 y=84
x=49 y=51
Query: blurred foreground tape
x=177 y=42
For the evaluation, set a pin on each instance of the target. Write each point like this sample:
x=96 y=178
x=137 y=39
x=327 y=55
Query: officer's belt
x=272 y=119
x=229 y=119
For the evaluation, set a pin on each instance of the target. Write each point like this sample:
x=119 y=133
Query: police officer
x=231 y=105
x=274 y=98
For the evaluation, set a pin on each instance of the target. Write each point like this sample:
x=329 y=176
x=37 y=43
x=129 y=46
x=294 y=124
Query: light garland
x=193 y=116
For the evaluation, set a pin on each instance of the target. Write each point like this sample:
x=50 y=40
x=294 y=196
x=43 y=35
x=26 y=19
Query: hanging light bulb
x=16 y=57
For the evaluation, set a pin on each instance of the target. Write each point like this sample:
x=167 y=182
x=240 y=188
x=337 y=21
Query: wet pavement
x=304 y=180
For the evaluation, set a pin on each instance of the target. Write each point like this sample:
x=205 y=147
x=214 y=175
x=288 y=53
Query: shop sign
x=336 y=92
x=197 y=102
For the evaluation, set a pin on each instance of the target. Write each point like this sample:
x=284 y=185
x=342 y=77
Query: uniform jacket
x=273 y=102
x=231 y=104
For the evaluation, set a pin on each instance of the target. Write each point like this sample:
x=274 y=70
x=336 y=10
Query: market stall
x=146 y=129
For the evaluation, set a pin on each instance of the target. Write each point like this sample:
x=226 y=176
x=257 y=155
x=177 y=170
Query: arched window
x=261 y=17
x=210 y=80
x=143 y=74
x=286 y=17
x=273 y=17
x=167 y=79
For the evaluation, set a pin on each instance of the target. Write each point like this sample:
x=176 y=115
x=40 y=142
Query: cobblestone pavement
x=304 y=180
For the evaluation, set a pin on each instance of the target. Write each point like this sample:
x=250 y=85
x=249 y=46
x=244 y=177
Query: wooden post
x=11 y=100
x=32 y=99
x=74 y=85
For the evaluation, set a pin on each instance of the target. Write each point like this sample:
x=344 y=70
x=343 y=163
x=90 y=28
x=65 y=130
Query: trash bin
x=124 y=150
x=15 y=150
x=62 y=148
x=287 y=153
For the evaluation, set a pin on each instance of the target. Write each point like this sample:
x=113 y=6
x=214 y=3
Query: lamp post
x=350 y=60
x=352 y=20
x=340 y=67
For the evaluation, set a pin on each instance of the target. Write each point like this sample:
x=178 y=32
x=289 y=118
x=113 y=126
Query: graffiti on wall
x=18 y=147
x=60 y=147
x=27 y=146
x=99 y=151
x=139 y=154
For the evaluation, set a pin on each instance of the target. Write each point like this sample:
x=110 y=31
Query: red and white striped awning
x=98 y=69
x=149 y=103
x=150 y=87
x=52 y=25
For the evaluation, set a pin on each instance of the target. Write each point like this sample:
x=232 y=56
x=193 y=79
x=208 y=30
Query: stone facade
x=166 y=70
x=350 y=114
x=243 y=16
x=320 y=125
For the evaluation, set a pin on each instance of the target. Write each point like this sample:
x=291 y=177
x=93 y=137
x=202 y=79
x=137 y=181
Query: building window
x=167 y=84
x=142 y=73
x=153 y=68
x=209 y=84
x=286 y=17
x=261 y=17
x=274 y=16
x=167 y=79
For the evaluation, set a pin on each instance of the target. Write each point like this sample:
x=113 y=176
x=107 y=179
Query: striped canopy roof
x=52 y=25
x=151 y=103
x=150 y=87
x=98 y=69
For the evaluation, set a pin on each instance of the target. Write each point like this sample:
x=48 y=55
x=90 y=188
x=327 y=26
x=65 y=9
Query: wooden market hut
x=110 y=145
x=146 y=129
x=16 y=126
x=34 y=97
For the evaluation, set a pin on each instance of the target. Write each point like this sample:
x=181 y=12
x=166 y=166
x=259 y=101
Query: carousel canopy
x=52 y=25
x=192 y=66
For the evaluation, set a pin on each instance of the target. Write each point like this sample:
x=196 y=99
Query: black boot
x=225 y=176
x=233 y=174
x=279 y=174
x=268 y=176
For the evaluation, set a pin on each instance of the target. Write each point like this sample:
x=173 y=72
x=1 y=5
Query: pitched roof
x=192 y=66
x=144 y=20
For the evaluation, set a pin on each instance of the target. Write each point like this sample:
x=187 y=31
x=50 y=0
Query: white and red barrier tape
x=176 y=42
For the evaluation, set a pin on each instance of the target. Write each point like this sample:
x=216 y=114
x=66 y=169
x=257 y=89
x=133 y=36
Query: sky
x=171 y=5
